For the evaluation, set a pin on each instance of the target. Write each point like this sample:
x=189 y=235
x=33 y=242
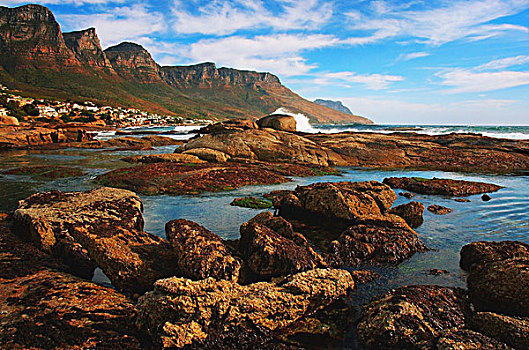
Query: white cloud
x=464 y=80
x=412 y=56
x=275 y=53
x=119 y=24
x=504 y=63
x=371 y=81
x=455 y=20
x=222 y=17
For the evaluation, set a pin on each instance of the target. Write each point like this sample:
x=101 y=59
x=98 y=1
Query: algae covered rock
x=181 y=312
x=445 y=187
x=251 y=202
x=483 y=252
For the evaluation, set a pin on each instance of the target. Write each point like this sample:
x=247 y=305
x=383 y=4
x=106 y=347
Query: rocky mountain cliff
x=40 y=60
x=87 y=48
x=337 y=105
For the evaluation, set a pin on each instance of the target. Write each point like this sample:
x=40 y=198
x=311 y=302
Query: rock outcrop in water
x=411 y=213
x=444 y=187
x=180 y=312
x=102 y=227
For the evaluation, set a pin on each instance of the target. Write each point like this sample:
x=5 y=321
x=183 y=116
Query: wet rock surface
x=180 y=312
x=466 y=339
x=375 y=240
x=500 y=286
x=513 y=331
x=483 y=252
x=201 y=253
x=411 y=317
x=411 y=213
x=42 y=307
x=439 y=209
x=181 y=179
x=102 y=227
x=444 y=187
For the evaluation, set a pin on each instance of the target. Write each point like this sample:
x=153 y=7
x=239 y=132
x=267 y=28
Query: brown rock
x=209 y=155
x=462 y=200
x=483 y=252
x=364 y=276
x=411 y=317
x=445 y=187
x=439 y=209
x=465 y=339
x=339 y=200
x=500 y=286
x=228 y=126
x=510 y=330
x=164 y=158
x=201 y=253
x=7 y=120
x=406 y=195
x=268 y=254
x=278 y=122
x=411 y=212
x=180 y=312
x=375 y=240
x=43 y=308
x=103 y=227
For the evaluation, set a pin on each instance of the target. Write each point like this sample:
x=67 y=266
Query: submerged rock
x=375 y=240
x=483 y=252
x=445 y=187
x=439 y=209
x=102 y=227
x=251 y=202
x=181 y=312
x=411 y=317
x=510 y=330
x=46 y=171
x=411 y=212
x=201 y=253
x=500 y=286
x=44 y=308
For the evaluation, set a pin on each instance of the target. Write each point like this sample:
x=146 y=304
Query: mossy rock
x=251 y=202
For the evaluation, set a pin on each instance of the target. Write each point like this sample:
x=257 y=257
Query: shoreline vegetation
x=287 y=277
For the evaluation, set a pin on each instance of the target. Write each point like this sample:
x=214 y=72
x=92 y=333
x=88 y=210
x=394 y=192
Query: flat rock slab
x=181 y=312
x=47 y=309
x=411 y=317
x=182 y=179
x=443 y=187
x=102 y=227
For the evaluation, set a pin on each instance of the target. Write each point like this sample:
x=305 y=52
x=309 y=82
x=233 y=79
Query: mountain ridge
x=36 y=57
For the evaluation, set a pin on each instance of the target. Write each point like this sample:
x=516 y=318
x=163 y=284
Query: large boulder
x=411 y=317
x=444 y=187
x=411 y=212
x=375 y=240
x=500 y=286
x=510 y=330
x=43 y=308
x=208 y=154
x=102 y=227
x=181 y=312
x=201 y=253
x=339 y=200
x=269 y=254
x=483 y=252
x=267 y=145
x=278 y=122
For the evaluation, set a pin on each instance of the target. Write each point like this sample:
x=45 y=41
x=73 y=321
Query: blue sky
x=397 y=62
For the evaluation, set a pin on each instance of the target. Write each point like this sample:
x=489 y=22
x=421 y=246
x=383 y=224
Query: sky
x=395 y=62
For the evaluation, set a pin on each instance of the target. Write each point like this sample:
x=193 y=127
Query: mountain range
x=37 y=58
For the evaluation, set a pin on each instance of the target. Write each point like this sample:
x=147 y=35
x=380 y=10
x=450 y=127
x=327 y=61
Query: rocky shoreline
x=286 y=281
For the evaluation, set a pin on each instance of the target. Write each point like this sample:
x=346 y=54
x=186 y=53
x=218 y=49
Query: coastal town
x=26 y=109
